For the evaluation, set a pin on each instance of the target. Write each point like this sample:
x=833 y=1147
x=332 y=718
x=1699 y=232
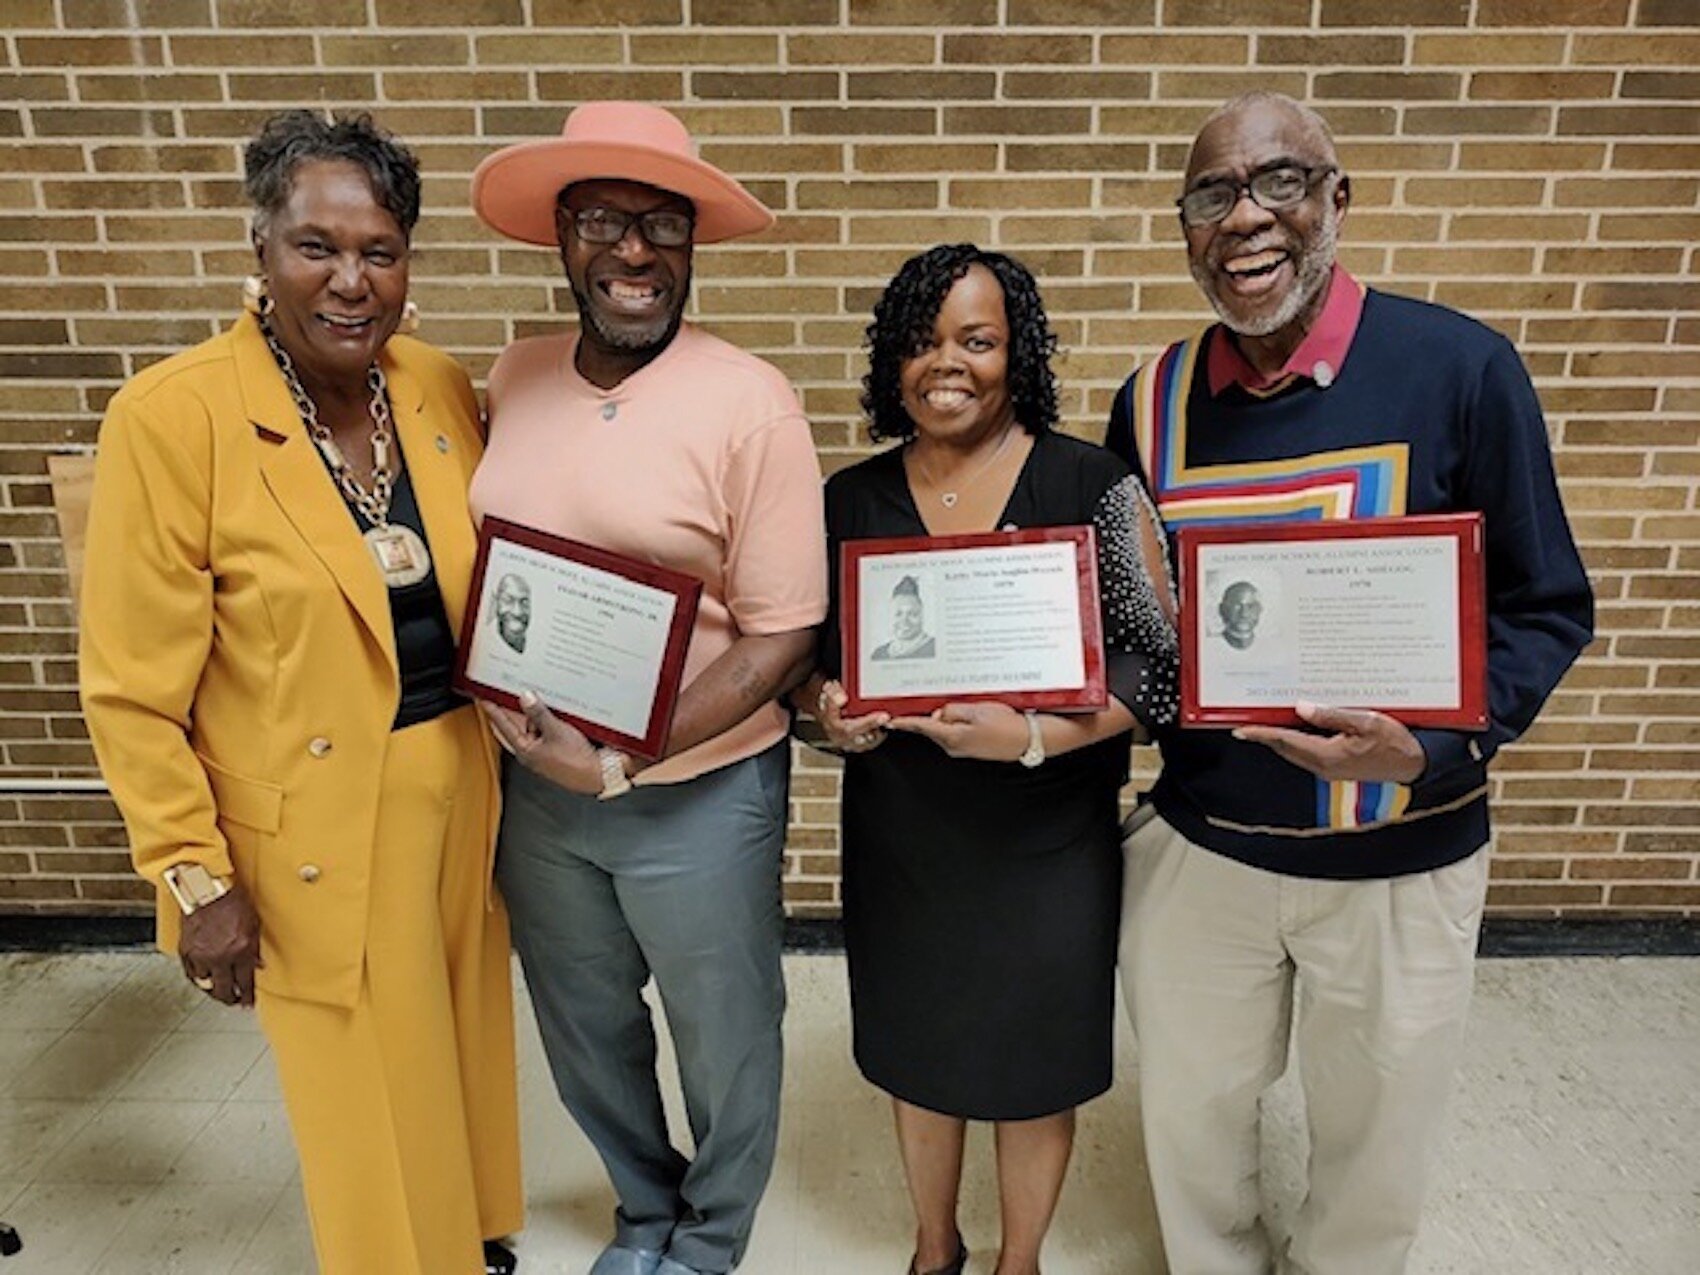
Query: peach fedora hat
x=514 y=190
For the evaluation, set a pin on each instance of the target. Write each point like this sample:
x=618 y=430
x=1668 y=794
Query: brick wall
x=1531 y=161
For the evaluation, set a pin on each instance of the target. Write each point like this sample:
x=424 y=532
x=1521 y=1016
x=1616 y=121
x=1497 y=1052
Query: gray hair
x=291 y=138
x=1311 y=119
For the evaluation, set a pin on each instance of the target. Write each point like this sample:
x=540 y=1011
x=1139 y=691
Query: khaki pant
x=404 y=1108
x=1211 y=953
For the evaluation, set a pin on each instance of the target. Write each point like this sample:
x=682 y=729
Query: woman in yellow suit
x=277 y=562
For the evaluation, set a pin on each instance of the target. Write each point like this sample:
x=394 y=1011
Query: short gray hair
x=1268 y=97
x=291 y=138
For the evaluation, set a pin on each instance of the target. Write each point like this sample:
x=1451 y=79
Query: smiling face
x=956 y=387
x=513 y=610
x=631 y=294
x=1265 y=271
x=1240 y=609
x=335 y=262
x=906 y=617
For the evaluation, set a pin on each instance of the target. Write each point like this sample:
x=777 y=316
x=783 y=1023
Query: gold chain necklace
x=949 y=498
x=398 y=550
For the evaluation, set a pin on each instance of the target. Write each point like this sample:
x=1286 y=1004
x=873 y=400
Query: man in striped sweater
x=1346 y=862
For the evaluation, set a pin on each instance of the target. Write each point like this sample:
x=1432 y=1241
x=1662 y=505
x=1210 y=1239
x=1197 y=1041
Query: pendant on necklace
x=400 y=554
x=947 y=499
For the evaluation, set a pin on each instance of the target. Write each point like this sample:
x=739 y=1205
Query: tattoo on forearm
x=747 y=680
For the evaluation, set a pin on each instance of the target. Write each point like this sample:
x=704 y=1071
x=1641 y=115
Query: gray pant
x=683 y=882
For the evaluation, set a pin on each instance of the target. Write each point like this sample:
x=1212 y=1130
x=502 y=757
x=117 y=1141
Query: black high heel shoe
x=954 y=1267
x=499 y=1259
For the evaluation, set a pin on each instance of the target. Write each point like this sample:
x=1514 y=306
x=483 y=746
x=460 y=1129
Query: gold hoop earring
x=409 y=319
x=256 y=298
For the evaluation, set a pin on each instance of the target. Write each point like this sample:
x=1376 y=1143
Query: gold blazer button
x=319 y=746
x=309 y=872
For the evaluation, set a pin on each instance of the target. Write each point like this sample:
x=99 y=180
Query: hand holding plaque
x=1378 y=613
x=1010 y=616
x=599 y=638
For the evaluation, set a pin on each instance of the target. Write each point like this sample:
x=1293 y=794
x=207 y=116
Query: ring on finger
x=205 y=984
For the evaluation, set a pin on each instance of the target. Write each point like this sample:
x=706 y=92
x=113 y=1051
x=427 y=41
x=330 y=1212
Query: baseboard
x=74 y=933
x=1592 y=936
x=1501 y=936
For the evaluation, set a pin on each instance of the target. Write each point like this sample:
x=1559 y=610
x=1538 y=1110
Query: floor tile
x=18 y=1049
x=259 y=1084
x=284 y=1245
x=213 y=1016
x=67 y=1227
x=204 y=1067
x=186 y=1228
x=1572 y=1146
x=243 y=1142
x=56 y=991
x=33 y=1129
x=128 y=1142
x=86 y=1065
x=153 y=997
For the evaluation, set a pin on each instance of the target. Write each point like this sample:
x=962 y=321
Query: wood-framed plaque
x=1005 y=615
x=599 y=638
x=1379 y=613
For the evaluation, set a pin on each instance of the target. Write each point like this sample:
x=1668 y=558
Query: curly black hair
x=290 y=138
x=903 y=323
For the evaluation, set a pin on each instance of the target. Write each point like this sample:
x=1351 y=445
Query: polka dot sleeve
x=1138 y=601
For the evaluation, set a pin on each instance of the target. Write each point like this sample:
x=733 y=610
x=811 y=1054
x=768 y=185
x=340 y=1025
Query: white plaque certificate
x=1010 y=616
x=599 y=638
x=1379 y=613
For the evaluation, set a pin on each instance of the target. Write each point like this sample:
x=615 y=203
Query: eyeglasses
x=661 y=227
x=1272 y=188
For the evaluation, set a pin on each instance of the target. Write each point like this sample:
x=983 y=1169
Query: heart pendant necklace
x=949 y=498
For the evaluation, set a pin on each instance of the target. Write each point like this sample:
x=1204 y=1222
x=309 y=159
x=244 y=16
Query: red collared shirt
x=1318 y=357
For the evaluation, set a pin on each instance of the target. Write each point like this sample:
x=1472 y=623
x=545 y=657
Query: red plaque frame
x=1092 y=695
x=1465 y=528
x=687 y=590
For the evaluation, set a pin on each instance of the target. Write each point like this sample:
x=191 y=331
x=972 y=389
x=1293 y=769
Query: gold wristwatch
x=193 y=886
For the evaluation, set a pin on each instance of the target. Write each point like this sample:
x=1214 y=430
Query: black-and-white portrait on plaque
x=907 y=625
x=511 y=610
x=1240 y=607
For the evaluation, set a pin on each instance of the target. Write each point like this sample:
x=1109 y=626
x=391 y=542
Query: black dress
x=982 y=899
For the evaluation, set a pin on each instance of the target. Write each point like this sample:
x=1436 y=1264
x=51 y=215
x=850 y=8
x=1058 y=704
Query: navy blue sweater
x=1432 y=412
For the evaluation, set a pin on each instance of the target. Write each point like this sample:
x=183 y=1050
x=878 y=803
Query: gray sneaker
x=616 y=1260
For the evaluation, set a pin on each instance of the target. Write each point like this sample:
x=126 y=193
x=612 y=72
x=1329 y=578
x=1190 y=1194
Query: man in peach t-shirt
x=648 y=437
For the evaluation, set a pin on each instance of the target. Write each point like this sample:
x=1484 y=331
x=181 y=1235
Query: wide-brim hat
x=514 y=190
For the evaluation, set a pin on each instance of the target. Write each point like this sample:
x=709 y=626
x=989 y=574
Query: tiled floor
x=141 y=1132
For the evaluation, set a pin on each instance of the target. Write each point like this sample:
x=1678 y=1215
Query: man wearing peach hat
x=644 y=435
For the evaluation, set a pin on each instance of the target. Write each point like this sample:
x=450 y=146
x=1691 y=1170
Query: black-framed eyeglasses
x=660 y=227
x=1273 y=188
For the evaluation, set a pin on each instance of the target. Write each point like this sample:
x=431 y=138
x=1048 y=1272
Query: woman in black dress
x=982 y=868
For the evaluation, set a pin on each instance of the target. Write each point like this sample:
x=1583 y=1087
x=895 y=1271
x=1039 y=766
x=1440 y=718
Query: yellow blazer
x=238 y=662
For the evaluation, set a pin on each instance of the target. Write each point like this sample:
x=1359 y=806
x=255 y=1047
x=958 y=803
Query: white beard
x=1315 y=266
